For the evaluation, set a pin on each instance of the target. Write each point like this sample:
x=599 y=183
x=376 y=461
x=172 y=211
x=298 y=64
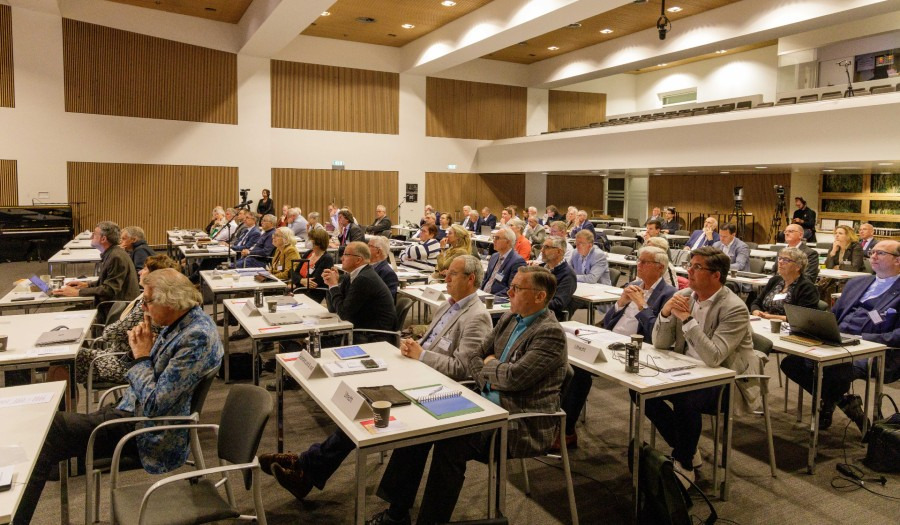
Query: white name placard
x=307 y=365
x=349 y=402
x=432 y=294
x=584 y=351
x=250 y=309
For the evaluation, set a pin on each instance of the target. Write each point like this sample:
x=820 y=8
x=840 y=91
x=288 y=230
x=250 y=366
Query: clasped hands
x=411 y=349
x=632 y=292
x=679 y=306
x=141 y=339
x=330 y=276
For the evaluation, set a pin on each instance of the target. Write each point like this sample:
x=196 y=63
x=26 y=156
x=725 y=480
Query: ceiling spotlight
x=661 y=65
x=448 y=3
x=827 y=171
x=365 y=20
x=721 y=52
x=325 y=13
x=552 y=48
x=523 y=43
x=761 y=167
x=885 y=163
x=663 y=24
x=674 y=9
x=724 y=172
x=407 y=26
x=575 y=25
x=606 y=31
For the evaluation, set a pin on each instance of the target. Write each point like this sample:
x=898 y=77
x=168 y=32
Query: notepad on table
x=442 y=401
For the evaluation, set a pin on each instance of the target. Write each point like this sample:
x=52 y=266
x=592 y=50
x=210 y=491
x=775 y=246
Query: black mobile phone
x=369 y=363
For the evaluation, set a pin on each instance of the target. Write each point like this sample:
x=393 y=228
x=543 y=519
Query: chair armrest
x=109 y=392
x=191 y=475
x=528 y=415
x=753 y=376
x=89 y=455
x=117 y=453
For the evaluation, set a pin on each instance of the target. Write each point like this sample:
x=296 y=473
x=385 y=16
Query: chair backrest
x=765 y=104
x=614 y=275
x=752 y=245
x=762 y=343
x=621 y=250
x=786 y=100
x=682 y=232
x=611 y=232
x=244 y=417
x=757 y=265
x=822 y=305
x=403 y=306
x=570 y=373
x=808 y=98
x=831 y=95
x=296 y=271
x=881 y=89
x=198 y=396
x=633 y=222
x=868 y=265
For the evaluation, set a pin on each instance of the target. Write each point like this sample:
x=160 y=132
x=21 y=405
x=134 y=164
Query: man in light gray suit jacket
x=736 y=249
x=457 y=329
x=710 y=323
x=588 y=261
x=520 y=366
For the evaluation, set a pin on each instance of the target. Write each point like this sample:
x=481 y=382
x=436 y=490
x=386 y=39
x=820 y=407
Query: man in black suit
x=382 y=224
x=867 y=238
x=806 y=218
x=350 y=231
x=380 y=247
x=360 y=296
x=487 y=219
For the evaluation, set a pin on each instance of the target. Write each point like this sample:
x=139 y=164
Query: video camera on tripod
x=780 y=211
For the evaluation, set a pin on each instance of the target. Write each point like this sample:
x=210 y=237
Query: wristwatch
x=688 y=320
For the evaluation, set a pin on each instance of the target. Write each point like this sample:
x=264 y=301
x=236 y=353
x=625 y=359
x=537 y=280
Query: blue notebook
x=442 y=401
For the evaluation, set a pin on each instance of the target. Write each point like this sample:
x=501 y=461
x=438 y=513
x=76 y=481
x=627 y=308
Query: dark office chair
x=808 y=98
x=831 y=95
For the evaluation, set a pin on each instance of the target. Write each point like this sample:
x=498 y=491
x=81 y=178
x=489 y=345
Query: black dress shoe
x=852 y=407
x=287 y=460
x=231 y=322
x=825 y=416
x=382 y=518
x=295 y=481
x=238 y=334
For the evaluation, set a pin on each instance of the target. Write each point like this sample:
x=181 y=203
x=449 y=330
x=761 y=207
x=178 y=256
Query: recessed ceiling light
x=325 y=13
x=761 y=167
x=448 y=3
x=662 y=65
x=552 y=48
x=827 y=171
x=658 y=171
x=885 y=163
x=523 y=43
x=724 y=172
x=365 y=20
x=674 y=9
x=407 y=26
x=721 y=52
x=574 y=25
x=606 y=31
x=545 y=173
x=213 y=9
x=692 y=171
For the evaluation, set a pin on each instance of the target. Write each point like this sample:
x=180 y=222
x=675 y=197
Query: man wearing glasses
x=793 y=237
x=868 y=308
x=566 y=281
x=710 y=323
x=503 y=264
x=359 y=296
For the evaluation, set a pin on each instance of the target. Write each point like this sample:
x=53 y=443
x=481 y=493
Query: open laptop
x=817 y=324
x=37 y=281
x=485 y=230
x=281 y=318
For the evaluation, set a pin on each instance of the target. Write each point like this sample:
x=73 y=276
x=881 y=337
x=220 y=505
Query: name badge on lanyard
x=875 y=316
x=498 y=276
x=780 y=296
x=444 y=344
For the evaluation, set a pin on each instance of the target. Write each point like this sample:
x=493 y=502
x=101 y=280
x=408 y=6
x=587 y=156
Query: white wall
x=620 y=91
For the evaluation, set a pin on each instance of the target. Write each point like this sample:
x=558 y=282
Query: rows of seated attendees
x=517 y=360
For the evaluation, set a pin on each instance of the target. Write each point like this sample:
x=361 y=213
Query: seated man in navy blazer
x=503 y=264
x=705 y=237
x=634 y=313
x=868 y=308
x=255 y=256
x=487 y=219
x=867 y=238
x=581 y=223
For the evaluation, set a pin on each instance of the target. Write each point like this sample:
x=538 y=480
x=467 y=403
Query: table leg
x=814 y=419
x=726 y=449
x=227 y=345
x=253 y=355
x=360 y=487
x=64 y=492
x=279 y=405
x=866 y=398
x=636 y=453
x=591 y=307
x=879 y=386
x=501 y=470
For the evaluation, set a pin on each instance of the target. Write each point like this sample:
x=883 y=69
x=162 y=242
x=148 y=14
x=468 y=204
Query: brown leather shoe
x=286 y=460
x=571 y=443
x=294 y=481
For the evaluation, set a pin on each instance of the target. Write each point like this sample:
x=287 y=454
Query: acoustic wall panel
x=585 y=192
x=449 y=192
x=573 y=109
x=7 y=71
x=155 y=197
x=359 y=190
x=474 y=110
x=114 y=72
x=330 y=98
x=9 y=185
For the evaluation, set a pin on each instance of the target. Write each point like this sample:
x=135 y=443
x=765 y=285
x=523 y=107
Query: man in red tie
x=867 y=238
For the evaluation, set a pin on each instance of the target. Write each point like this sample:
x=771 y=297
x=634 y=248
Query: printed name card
x=349 y=402
x=432 y=294
x=250 y=309
x=307 y=365
x=583 y=351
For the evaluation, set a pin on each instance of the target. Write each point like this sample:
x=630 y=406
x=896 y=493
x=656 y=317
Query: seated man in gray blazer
x=710 y=323
x=456 y=330
x=736 y=249
x=520 y=366
x=588 y=261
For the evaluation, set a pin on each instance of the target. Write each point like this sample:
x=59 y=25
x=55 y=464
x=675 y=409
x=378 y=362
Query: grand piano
x=34 y=232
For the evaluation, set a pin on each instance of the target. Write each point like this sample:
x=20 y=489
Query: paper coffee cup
x=273 y=306
x=489 y=302
x=775 y=326
x=382 y=411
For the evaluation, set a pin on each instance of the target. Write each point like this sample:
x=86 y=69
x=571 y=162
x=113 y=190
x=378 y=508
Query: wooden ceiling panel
x=389 y=15
x=624 y=20
x=229 y=11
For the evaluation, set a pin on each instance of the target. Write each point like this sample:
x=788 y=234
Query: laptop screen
x=37 y=281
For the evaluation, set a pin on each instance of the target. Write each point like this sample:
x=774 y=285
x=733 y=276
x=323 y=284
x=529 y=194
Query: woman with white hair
x=285 y=253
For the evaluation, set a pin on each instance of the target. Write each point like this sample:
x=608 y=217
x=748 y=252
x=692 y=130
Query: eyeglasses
x=641 y=261
x=516 y=288
x=351 y=255
x=786 y=260
x=882 y=253
x=696 y=267
x=548 y=247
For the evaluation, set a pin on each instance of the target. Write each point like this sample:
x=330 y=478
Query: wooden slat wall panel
x=583 y=191
x=155 y=197
x=9 y=184
x=329 y=98
x=474 y=110
x=449 y=192
x=7 y=71
x=114 y=72
x=573 y=109
x=713 y=194
x=359 y=190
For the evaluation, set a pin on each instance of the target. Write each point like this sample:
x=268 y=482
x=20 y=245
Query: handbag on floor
x=883 y=454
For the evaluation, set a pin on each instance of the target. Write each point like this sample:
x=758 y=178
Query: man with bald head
x=705 y=237
x=867 y=238
x=867 y=307
x=793 y=237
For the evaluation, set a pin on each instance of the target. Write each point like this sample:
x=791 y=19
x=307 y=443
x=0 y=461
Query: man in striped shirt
x=423 y=256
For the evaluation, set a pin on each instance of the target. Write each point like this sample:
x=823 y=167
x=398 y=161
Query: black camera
x=663 y=25
x=244 y=193
x=779 y=190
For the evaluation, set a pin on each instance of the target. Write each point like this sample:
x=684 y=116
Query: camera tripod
x=780 y=211
x=738 y=217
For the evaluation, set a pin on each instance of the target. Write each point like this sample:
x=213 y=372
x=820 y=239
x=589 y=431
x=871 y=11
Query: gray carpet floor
x=600 y=470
